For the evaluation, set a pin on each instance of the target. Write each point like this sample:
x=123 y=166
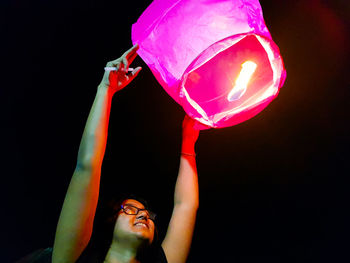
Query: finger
x=114 y=62
x=200 y=126
x=133 y=74
x=131 y=51
x=125 y=64
x=112 y=67
x=190 y=123
x=195 y=124
x=131 y=58
x=187 y=120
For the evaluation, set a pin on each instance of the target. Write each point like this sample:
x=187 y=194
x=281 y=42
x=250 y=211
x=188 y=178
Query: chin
x=145 y=237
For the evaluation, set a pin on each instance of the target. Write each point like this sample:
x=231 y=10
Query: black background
x=272 y=189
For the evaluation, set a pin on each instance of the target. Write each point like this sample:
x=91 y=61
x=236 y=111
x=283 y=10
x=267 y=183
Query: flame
x=247 y=71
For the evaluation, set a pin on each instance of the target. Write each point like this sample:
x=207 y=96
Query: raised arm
x=75 y=223
x=178 y=238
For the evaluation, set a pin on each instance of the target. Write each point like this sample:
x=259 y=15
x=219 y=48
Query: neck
x=122 y=252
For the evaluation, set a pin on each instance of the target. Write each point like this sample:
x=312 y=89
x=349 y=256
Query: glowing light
x=247 y=71
x=215 y=58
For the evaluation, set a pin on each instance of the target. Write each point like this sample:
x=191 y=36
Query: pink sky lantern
x=215 y=58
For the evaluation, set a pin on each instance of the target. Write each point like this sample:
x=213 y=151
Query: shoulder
x=154 y=255
x=161 y=257
x=38 y=256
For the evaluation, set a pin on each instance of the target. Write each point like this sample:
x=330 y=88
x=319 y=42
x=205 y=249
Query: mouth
x=142 y=224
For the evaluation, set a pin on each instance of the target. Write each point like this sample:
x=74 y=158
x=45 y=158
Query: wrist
x=188 y=148
x=184 y=154
x=104 y=90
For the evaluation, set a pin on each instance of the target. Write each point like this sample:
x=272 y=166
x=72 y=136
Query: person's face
x=131 y=226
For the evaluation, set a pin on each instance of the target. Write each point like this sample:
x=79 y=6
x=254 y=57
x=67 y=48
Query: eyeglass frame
x=151 y=215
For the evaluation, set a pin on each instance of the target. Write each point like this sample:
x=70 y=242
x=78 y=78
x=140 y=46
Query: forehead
x=134 y=203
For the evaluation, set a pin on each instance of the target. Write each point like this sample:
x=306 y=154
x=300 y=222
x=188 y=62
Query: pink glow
x=196 y=48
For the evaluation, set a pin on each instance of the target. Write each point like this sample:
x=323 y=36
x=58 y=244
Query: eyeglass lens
x=132 y=210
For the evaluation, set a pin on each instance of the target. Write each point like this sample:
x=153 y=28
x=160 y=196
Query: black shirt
x=45 y=256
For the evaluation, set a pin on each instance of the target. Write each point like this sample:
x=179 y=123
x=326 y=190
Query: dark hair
x=103 y=230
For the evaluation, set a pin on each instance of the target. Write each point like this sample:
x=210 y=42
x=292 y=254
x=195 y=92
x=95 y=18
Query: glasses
x=133 y=210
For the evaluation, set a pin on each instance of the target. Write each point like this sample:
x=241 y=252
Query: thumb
x=134 y=73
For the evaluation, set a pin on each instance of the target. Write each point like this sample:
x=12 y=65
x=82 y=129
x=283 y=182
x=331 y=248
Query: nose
x=143 y=214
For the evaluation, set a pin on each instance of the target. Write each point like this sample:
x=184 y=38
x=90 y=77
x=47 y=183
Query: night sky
x=272 y=189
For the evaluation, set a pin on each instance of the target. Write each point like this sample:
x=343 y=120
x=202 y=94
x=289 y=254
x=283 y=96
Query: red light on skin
x=247 y=71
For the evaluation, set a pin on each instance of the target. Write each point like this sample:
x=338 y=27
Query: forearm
x=94 y=139
x=178 y=239
x=186 y=189
x=75 y=224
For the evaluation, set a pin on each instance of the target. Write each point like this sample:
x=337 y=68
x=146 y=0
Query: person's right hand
x=189 y=136
x=117 y=79
x=189 y=131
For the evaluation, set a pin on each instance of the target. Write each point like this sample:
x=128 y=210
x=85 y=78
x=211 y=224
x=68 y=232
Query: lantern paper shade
x=215 y=58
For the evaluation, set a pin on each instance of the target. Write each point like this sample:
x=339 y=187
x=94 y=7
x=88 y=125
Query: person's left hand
x=116 y=80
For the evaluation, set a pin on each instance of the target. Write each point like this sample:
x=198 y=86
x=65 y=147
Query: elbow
x=195 y=205
x=188 y=198
x=83 y=165
x=189 y=209
x=87 y=163
x=192 y=205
